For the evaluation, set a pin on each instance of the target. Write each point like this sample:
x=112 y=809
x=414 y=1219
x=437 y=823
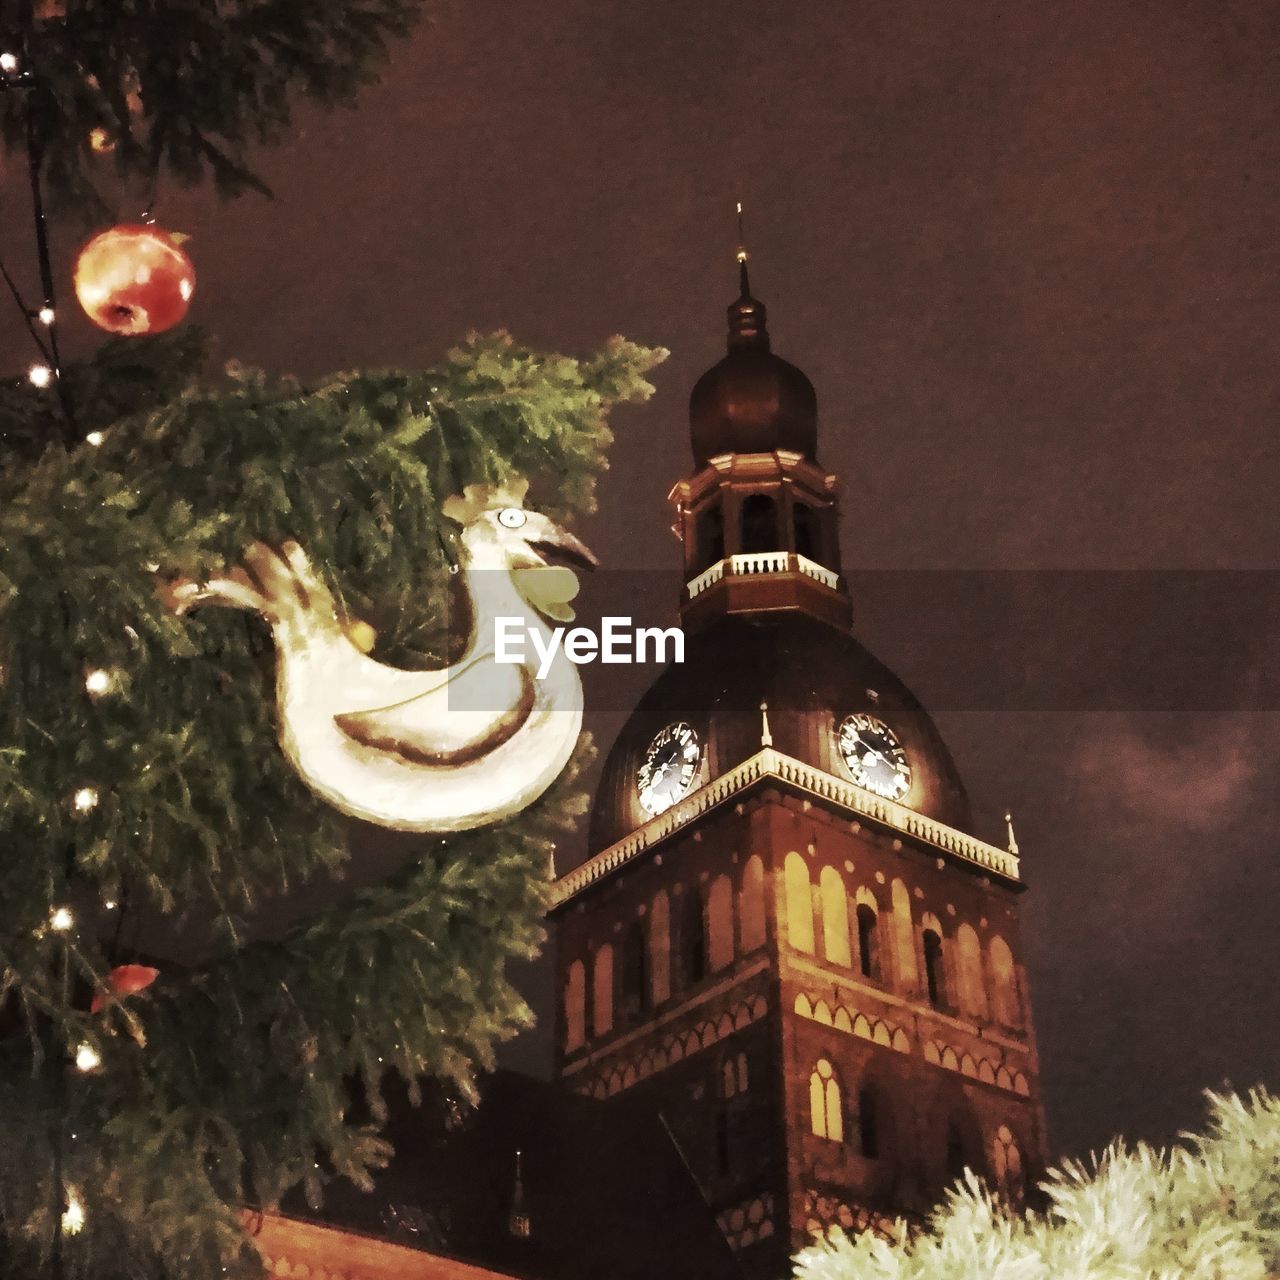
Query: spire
x=1013 y=841
x=518 y=1223
x=766 y=735
x=746 y=314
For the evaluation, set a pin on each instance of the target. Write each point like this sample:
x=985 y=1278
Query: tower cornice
x=770 y=765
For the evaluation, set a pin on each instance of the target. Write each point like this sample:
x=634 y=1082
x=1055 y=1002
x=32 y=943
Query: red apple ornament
x=134 y=280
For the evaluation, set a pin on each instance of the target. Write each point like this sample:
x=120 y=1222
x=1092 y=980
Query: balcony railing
x=768 y=763
x=759 y=564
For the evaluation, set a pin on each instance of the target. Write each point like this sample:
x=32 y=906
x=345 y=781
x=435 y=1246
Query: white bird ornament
x=444 y=750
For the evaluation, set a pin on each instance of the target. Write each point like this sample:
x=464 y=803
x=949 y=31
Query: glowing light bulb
x=45 y=315
x=85 y=800
x=40 y=375
x=73 y=1215
x=110 y=904
x=99 y=680
x=88 y=1058
x=8 y=62
x=61 y=919
x=94 y=438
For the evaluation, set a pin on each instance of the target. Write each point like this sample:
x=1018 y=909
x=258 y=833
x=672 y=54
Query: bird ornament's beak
x=559 y=546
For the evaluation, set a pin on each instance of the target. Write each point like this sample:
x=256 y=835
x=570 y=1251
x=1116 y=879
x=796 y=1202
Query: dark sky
x=1027 y=254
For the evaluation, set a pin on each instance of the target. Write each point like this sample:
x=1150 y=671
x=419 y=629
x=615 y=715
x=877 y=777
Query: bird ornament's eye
x=511 y=517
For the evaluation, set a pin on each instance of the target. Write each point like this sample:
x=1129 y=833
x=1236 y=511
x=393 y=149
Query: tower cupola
x=752 y=401
x=758 y=516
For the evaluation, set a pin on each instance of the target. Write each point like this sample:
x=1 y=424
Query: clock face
x=669 y=767
x=874 y=756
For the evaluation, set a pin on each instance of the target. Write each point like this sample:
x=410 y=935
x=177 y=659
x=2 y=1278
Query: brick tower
x=786 y=937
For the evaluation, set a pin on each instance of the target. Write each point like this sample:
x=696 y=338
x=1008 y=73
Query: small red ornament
x=124 y=980
x=134 y=279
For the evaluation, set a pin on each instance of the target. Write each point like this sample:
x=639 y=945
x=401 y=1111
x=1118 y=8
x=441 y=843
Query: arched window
x=729 y=1115
x=935 y=980
x=1006 y=1164
x=692 y=937
x=633 y=973
x=868 y=942
x=759 y=523
x=751 y=905
x=835 y=917
x=799 y=903
x=575 y=1007
x=602 y=991
x=807 y=531
x=1006 y=1007
x=709 y=532
x=868 y=1123
x=733 y=1075
x=720 y=923
x=660 y=947
x=973 y=991
x=826 y=1112
x=904 y=940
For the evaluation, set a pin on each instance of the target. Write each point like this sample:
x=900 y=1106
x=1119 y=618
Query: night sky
x=1027 y=255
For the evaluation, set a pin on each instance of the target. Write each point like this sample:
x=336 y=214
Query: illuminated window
x=868 y=943
x=903 y=939
x=826 y=1113
x=973 y=992
x=835 y=917
x=1005 y=1005
x=799 y=903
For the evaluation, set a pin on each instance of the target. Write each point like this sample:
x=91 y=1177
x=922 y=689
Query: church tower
x=786 y=937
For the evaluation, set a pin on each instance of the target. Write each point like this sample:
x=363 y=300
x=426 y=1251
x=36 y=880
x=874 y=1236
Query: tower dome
x=812 y=677
x=752 y=401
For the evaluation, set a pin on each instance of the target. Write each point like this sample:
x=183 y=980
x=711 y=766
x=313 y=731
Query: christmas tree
x=179 y=1038
x=1206 y=1210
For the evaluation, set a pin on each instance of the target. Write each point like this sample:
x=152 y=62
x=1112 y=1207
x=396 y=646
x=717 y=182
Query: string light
x=61 y=919
x=85 y=800
x=8 y=62
x=40 y=375
x=99 y=681
x=88 y=1058
x=94 y=438
x=45 y=315
x=110 y=904
x=73 y=1215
